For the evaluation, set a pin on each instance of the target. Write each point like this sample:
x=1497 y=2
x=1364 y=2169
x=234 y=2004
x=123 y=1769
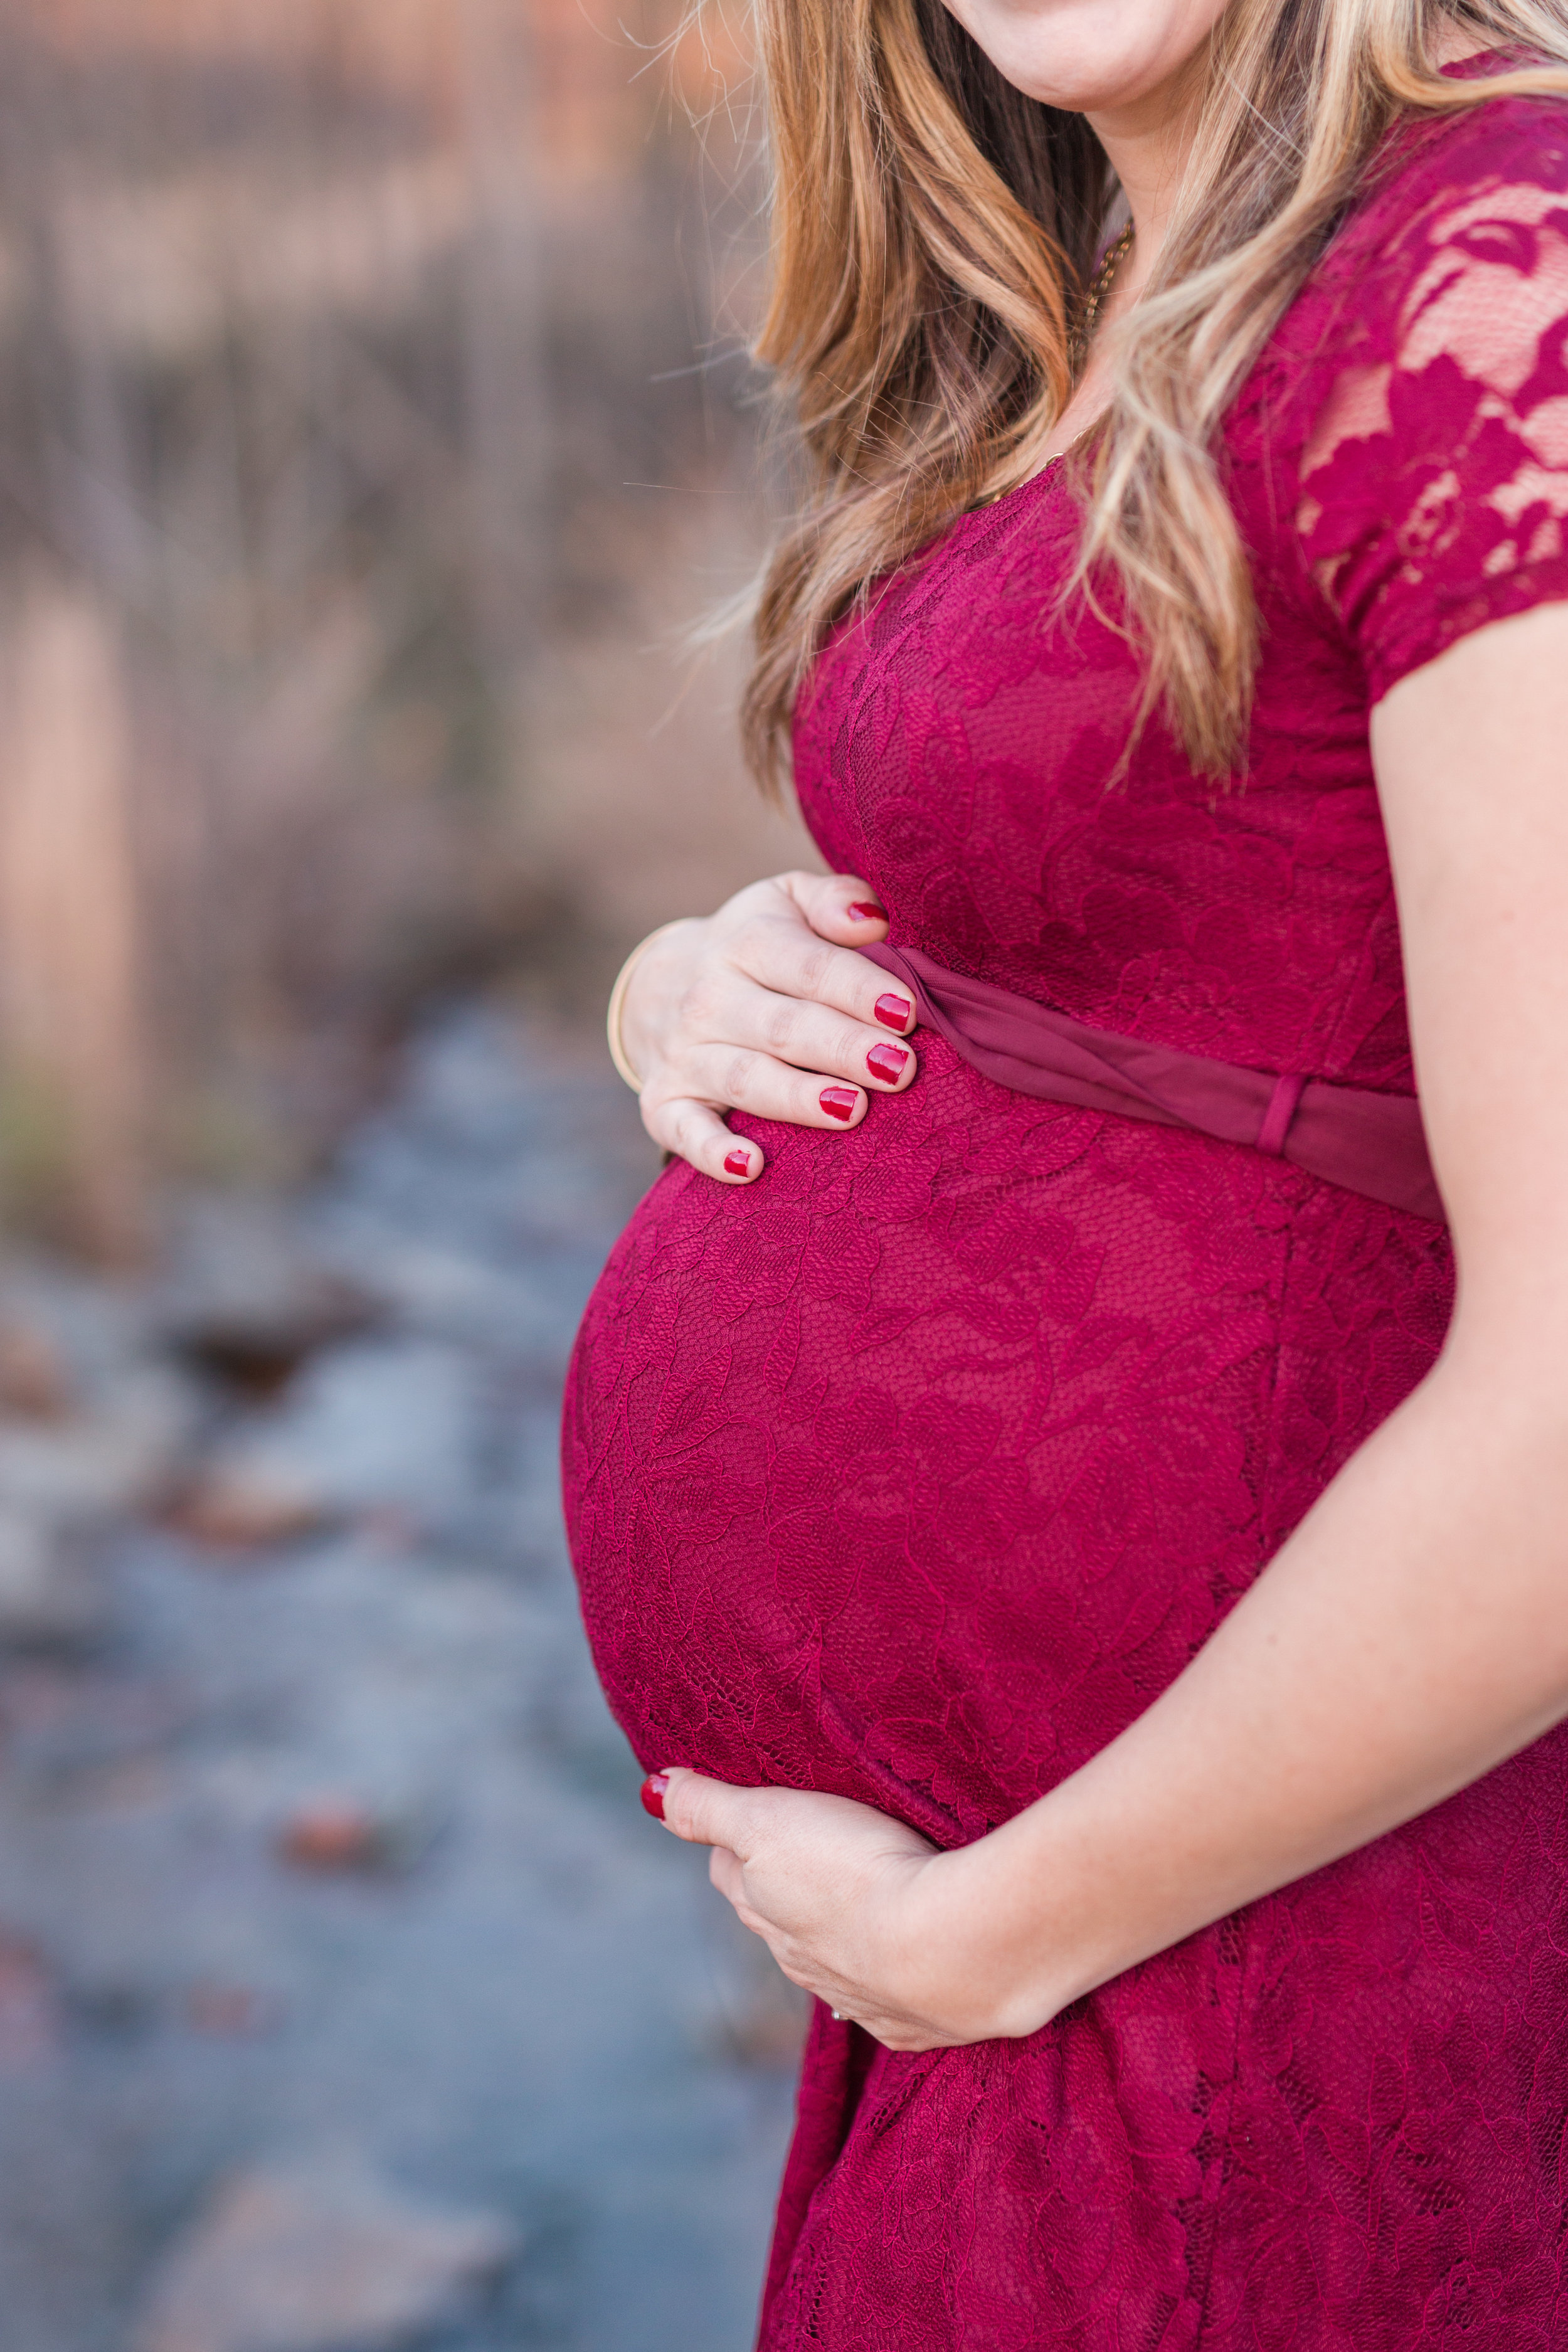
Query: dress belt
x=1370 y=1143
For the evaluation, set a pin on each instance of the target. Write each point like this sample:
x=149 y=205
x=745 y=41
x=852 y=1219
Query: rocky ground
x=347 y=2000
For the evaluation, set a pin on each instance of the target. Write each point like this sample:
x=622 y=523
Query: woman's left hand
x=853 y=1905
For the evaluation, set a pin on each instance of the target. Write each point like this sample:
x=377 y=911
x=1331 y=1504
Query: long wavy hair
x=932 y=230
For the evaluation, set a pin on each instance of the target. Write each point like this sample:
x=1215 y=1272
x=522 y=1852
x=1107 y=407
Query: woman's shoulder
x=1425 y=371
x=1456 y=251
x=1491 y=181
x=1455 y=247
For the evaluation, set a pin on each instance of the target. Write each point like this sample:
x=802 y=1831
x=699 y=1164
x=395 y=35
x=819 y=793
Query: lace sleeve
x=1435 y=476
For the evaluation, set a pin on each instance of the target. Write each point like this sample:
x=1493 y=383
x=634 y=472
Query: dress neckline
x=1045 y=472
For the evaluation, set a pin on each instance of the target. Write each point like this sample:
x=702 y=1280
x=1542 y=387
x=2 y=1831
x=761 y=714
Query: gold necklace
x=1082 y=331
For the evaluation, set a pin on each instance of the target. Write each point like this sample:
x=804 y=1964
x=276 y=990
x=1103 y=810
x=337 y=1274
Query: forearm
x=1412 y=1633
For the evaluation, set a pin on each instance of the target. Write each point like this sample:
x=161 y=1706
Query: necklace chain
x=1082 y=330
x=1099 y=286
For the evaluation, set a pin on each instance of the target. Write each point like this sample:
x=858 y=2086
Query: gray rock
x=50 y=1594
x=65 y=1729
x=450 y=1294
x=29 y=2006
x=81 y=1471
x=371 y=1425
x=322 y=2259
x=37 y=1381
x=236 y=1504
x=247 y=1300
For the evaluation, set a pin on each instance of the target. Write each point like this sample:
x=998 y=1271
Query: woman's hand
x=764 y=1007
x=859 y=1909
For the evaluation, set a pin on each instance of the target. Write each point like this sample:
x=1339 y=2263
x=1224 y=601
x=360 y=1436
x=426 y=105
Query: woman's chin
x=1086 y=57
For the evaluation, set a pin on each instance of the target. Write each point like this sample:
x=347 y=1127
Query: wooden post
x=71 y=1045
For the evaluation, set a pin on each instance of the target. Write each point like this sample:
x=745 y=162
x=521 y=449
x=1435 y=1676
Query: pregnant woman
x=1069 y=1484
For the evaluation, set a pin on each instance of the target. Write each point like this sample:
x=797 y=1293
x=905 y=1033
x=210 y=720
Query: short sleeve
x=1434 y=483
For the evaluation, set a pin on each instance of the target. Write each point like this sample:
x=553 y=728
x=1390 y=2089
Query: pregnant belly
x=915 y=1471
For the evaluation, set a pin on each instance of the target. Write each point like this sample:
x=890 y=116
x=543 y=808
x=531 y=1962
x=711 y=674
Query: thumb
x=702 y=1811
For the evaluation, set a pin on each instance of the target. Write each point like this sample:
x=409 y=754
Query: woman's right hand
x=764 y=1007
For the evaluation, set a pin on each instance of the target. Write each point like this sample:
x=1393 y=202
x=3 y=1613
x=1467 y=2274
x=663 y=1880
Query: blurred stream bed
x=347 y=1998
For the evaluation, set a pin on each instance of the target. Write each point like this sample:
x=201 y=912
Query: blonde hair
x=932 y=229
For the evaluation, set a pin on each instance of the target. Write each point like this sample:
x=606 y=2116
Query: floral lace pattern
x=915 y=1471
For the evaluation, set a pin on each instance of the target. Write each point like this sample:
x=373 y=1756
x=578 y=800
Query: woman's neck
x=1150 y=140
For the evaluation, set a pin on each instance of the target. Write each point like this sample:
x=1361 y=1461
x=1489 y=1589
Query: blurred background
x=374 y=428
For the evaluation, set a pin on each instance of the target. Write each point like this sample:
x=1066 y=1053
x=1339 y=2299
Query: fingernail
x=839 y=1102
x=893 y=1011
x=652 y=1793
x=865 y=910
x=738 y=1163
x=887 y=1063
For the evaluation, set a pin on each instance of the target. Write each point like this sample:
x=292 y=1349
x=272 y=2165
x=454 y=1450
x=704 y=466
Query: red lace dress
x=916 y=1472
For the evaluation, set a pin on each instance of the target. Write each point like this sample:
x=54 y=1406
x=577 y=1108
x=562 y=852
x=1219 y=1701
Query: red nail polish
x=839 y=1102
x=652 y=1793
x=865 y=910
x=893 y=1011
x=887 y=1063
x=738 y=1163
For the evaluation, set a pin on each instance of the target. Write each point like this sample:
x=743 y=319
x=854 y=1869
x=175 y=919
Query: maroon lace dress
x=917 y=1471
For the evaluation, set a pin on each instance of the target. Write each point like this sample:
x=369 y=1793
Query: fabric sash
x=1370 y=1143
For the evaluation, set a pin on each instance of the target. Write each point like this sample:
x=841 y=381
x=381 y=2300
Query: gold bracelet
x=618 y=999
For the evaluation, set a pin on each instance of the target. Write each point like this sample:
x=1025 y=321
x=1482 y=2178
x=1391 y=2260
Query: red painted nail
x=887 y=1063
x=893 y=1011
x=738 y=1163
x=652 y=1793
x=865 y=910
x=839 y=1102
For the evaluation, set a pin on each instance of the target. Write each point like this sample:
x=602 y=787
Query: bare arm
x=1414 y=1632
